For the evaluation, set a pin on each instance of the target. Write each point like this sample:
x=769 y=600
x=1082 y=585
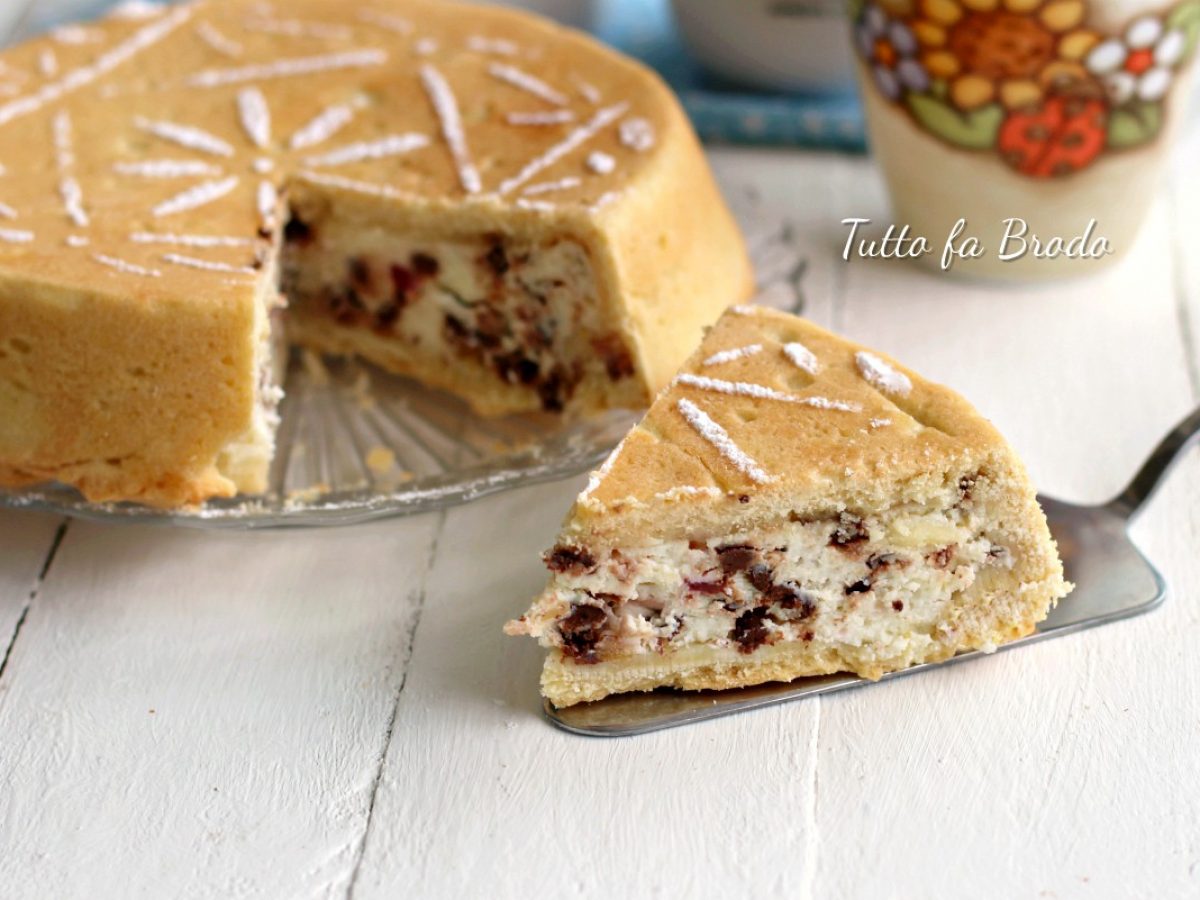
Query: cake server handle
x=1153 y=472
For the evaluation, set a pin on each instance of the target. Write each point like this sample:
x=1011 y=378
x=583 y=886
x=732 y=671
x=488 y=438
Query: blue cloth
x=645 y=29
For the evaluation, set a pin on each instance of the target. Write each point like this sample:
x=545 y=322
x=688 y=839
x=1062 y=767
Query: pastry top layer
x=773 y=415
x=145 y=153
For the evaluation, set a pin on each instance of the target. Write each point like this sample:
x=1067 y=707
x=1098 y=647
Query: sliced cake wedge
x=793 y=504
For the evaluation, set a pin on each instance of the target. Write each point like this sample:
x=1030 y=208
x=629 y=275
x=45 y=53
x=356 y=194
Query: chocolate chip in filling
x=581 y=631
x=574 y=560
x=750 y=630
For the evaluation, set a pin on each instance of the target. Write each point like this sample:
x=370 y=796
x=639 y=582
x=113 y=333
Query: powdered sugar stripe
x=746 y=309
x=255 y=116
x=207 y=265
x=15 y=236
x=577 y=137
x=185 y=136
x=218 y=41
x=880 y=375
x=446 y=107
x=731 y=355
x=601 y=473
x=385 y=21
x=536 y=205
x=268 y=205
x=298 y=29
x=7 y=212
x=47 y=63
x=498 y=46
x=72 y=198
x=189 y=240
x=323 y=126
x=166 y=168
x=761 y=392
x=801 y=357
x=351 y=184
x=287 y=68
x=588 y=92
x=392 y=145
x=105 y=63
x=523 y=81
x=127 y=267
x=719 y=438
x=550 y=117
x=637 y=134
x=546 y=187
x=192 y=198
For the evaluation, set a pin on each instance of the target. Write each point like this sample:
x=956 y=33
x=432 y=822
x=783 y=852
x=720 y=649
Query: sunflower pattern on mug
x=1030 y=80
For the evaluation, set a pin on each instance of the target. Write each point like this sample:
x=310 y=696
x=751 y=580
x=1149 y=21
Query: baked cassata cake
x=792 y=504
x=471 y=196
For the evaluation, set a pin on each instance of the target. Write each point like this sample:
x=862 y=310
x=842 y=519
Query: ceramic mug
x=1032 y=120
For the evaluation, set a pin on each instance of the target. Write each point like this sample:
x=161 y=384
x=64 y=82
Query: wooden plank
x=205 y=712
x=26 y=540
x=1054 y=770
x=479 y=793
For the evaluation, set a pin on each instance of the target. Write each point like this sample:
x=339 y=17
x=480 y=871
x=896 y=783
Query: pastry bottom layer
x=1001 y=615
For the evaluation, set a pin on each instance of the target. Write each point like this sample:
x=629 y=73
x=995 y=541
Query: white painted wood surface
x=335 y=713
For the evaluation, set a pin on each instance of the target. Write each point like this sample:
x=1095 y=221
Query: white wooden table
x=336 y=713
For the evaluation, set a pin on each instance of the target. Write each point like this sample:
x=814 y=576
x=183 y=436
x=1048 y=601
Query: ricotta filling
x=881 y=582
x=528 y=312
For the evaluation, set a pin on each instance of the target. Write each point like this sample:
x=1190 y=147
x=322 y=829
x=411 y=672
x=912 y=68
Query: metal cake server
x=1113 y=580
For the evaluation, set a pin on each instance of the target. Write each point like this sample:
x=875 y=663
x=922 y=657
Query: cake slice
x=791 y=505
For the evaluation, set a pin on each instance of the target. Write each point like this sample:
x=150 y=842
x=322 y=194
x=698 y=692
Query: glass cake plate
x=356 y=443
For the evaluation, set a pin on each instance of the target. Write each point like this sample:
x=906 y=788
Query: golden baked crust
x=775 y=424
x=130 y=340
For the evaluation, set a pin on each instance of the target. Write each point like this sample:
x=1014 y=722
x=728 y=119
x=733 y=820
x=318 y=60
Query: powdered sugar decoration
x=499 y=46
x=287 y=68
x=392 y=145
x=166 y=168
x=746 y=309
x=68 y=187
x=801 y=357
x=524 y=81
x=761 y=392
x=736 y=353
x=550 y=117
x=217 y=41
x=882 y=376
x=195 y=197
x=127 y=267
x=588 y=92
x=105 y=63
x=719 y=438
x=75 y=35
x=268 y=205
x=323 y=126
x=189 y=240
x=880 y=423
x=536 y=205
x=600 y=163
x=385 y=21
x=137 y=10
x=601 y=473
x=207 y=265
x=351 y=184
x=255 y=116
x=298 y=29
x=48 y=63
x=637 y=134
x=185 y=136
x=15 y=236
x=7 y=212
x=446 y=107
x=578 y=136
x=546 y=187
